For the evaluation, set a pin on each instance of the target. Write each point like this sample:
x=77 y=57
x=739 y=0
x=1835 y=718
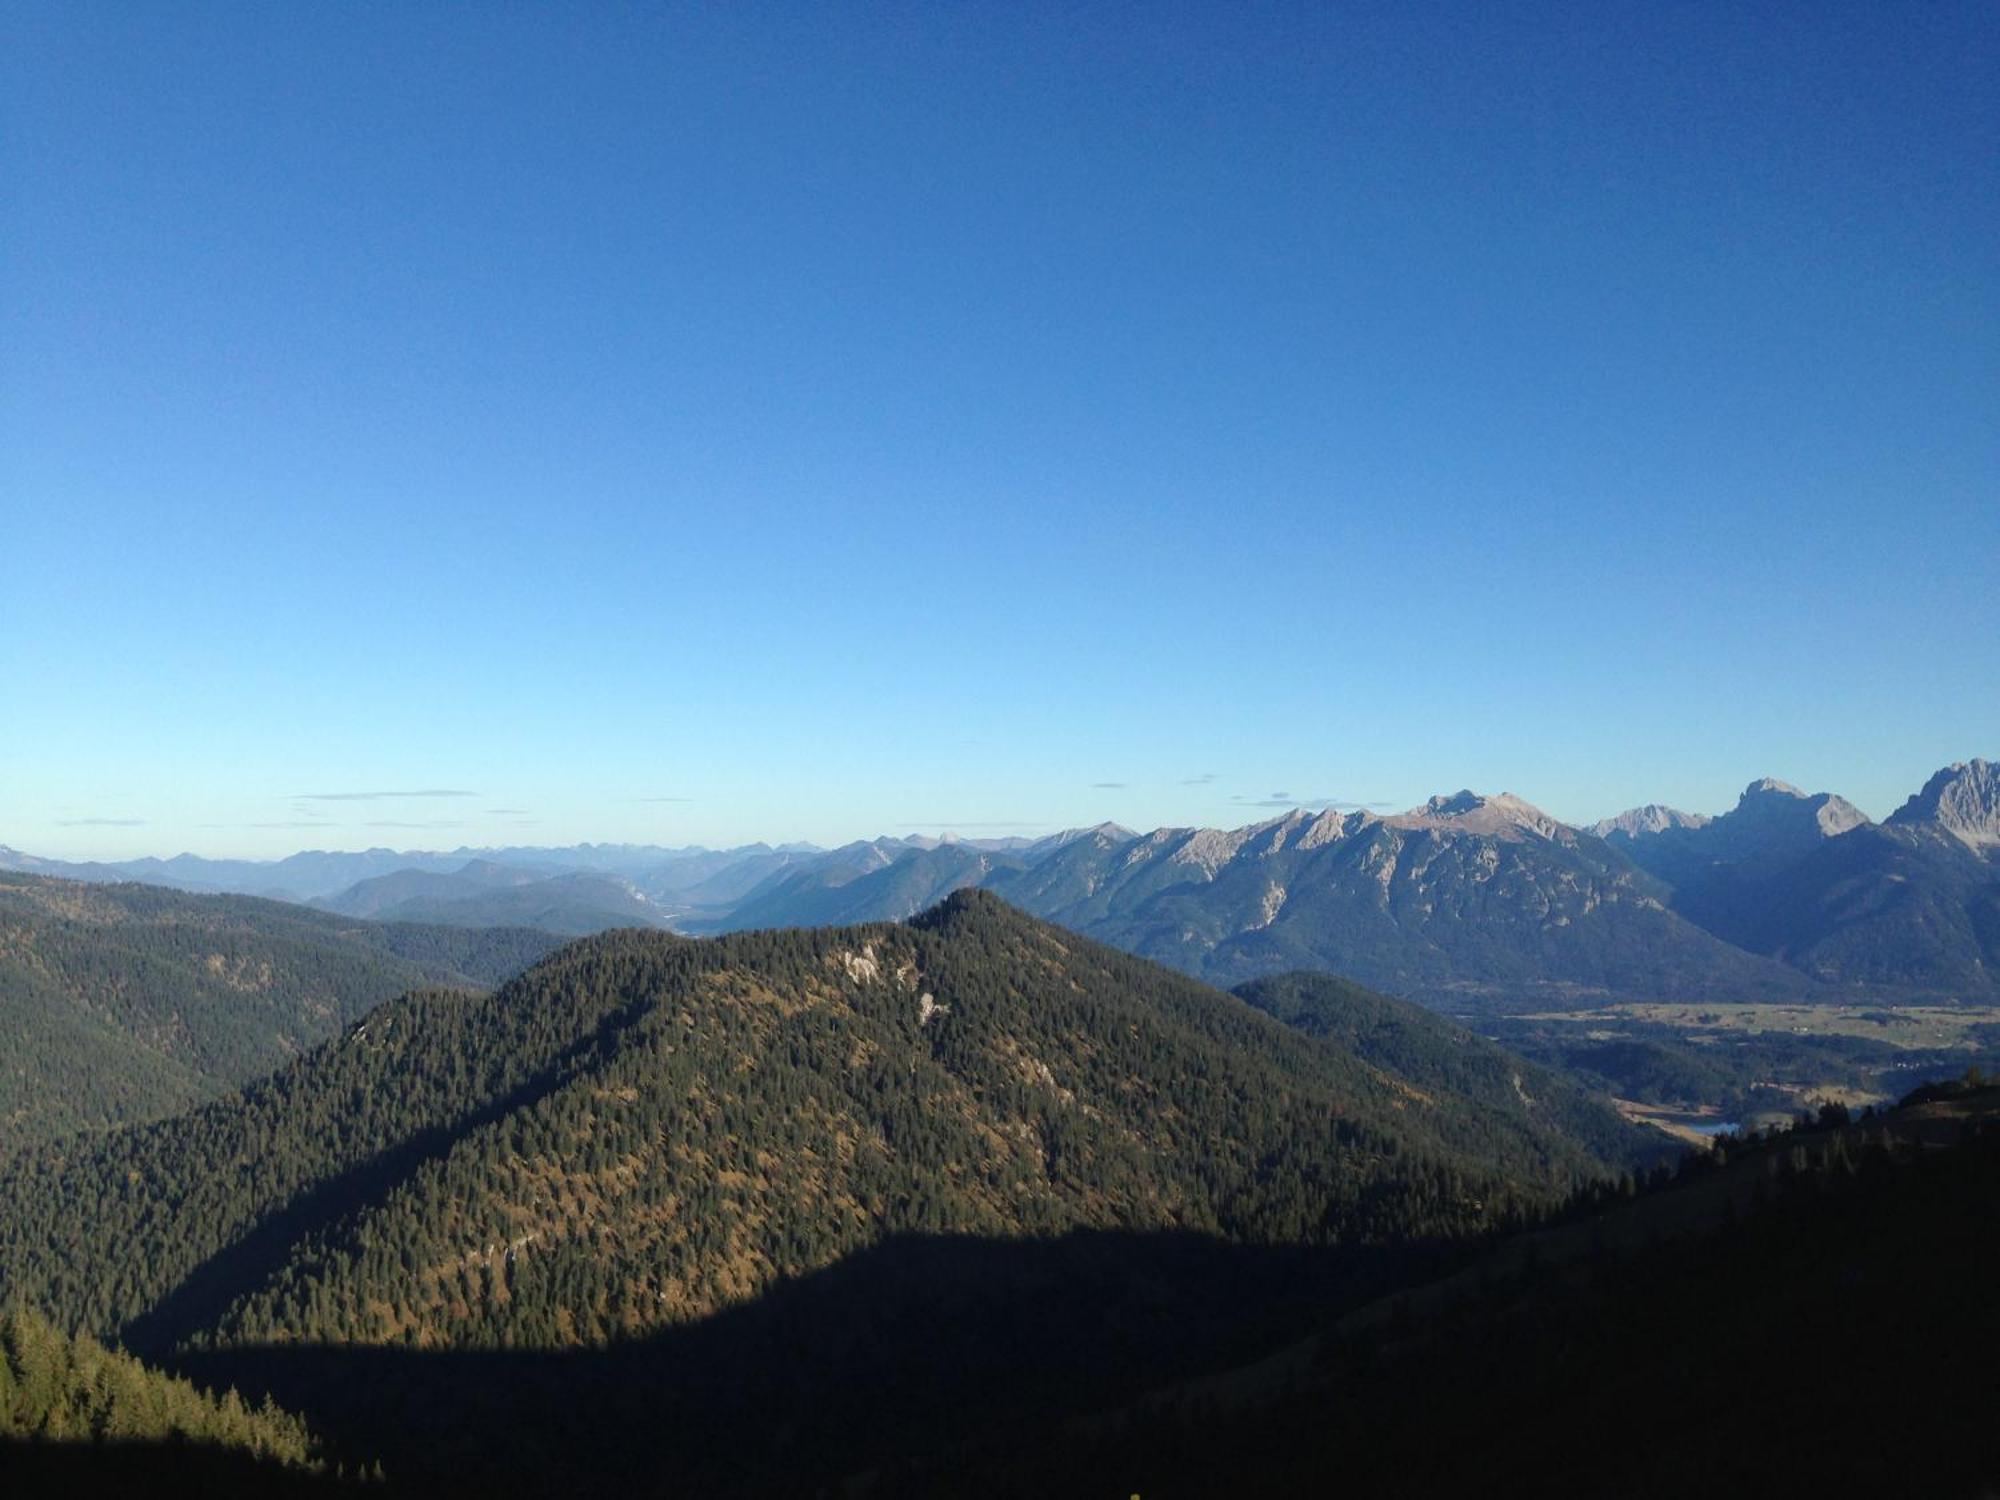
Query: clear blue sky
x=853 y=419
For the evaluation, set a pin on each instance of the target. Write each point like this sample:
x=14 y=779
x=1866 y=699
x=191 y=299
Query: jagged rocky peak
x=1772 y=801
x=1470 y=812
x=1647 y=822
x=1105 y=834
x=1963 y=800
x=1330 y=825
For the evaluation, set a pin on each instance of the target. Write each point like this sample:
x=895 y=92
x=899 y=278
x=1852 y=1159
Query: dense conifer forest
x=1805 y=1313
x=58 y=1388
x=968 y=1204
x=121 y=1003
x=645 y=1129
x=1500 y=1094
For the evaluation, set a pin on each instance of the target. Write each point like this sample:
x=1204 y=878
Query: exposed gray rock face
x=1643 y=822
x=1465 y=895
x=1807 y=879
x=1772 y=824
x=1504 y=816
x=1962 y=800
x=1774 y=817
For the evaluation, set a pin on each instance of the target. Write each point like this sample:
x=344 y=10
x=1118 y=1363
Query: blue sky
x=702 y=424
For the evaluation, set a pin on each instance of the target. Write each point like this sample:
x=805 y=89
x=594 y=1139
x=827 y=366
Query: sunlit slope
x=127 y=1002
x=644 y=1129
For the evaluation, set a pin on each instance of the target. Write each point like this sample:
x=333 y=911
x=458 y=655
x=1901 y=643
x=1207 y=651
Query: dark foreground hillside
x=1805 y=1315
x=1815 y=1318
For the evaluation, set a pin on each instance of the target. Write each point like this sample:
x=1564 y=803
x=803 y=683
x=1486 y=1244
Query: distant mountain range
x=1911 y=901
x=1466 y=900
x=484 y=893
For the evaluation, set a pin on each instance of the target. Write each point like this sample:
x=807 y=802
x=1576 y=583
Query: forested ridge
x=121 y=1003
x=644 y=1129
x=782 y=1210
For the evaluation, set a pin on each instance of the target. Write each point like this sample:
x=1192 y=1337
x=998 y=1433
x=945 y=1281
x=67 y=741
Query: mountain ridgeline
x=1912 y=902
x=1466 y=902
x=1469 y=896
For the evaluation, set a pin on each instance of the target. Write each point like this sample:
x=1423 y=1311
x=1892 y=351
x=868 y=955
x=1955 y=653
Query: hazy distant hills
x=484 y=893
x=381 y=894
x=127 y=1002
x=298 y=877
x=876 y=886
x=1464 y=900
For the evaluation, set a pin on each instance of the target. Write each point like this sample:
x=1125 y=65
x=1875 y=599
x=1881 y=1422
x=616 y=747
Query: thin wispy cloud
x=1286 y=799
x=392 y=823
x=1110 y=786
x=100 y=822
x=663 y=799
x=379 y=796
x=295 y=823
x=972 y=823
x=507 y=812
x=1204 y=779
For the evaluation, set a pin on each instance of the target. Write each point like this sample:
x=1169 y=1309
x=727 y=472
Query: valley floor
x=1691 y=1069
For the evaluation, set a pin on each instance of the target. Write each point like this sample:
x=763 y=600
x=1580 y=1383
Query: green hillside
x=924 y=1208
x=121 y=1003
x=56 y=1388
x=1472 y=1091
x=644 y=1129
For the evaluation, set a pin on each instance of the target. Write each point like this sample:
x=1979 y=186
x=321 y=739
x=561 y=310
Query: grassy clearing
x=1926 y=1028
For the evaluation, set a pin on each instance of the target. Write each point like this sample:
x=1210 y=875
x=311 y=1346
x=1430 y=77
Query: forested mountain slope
x=644 y=1129
x=128 y=1002
x=61 y=1388
x=1493 y=1093
x=77 y=1418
